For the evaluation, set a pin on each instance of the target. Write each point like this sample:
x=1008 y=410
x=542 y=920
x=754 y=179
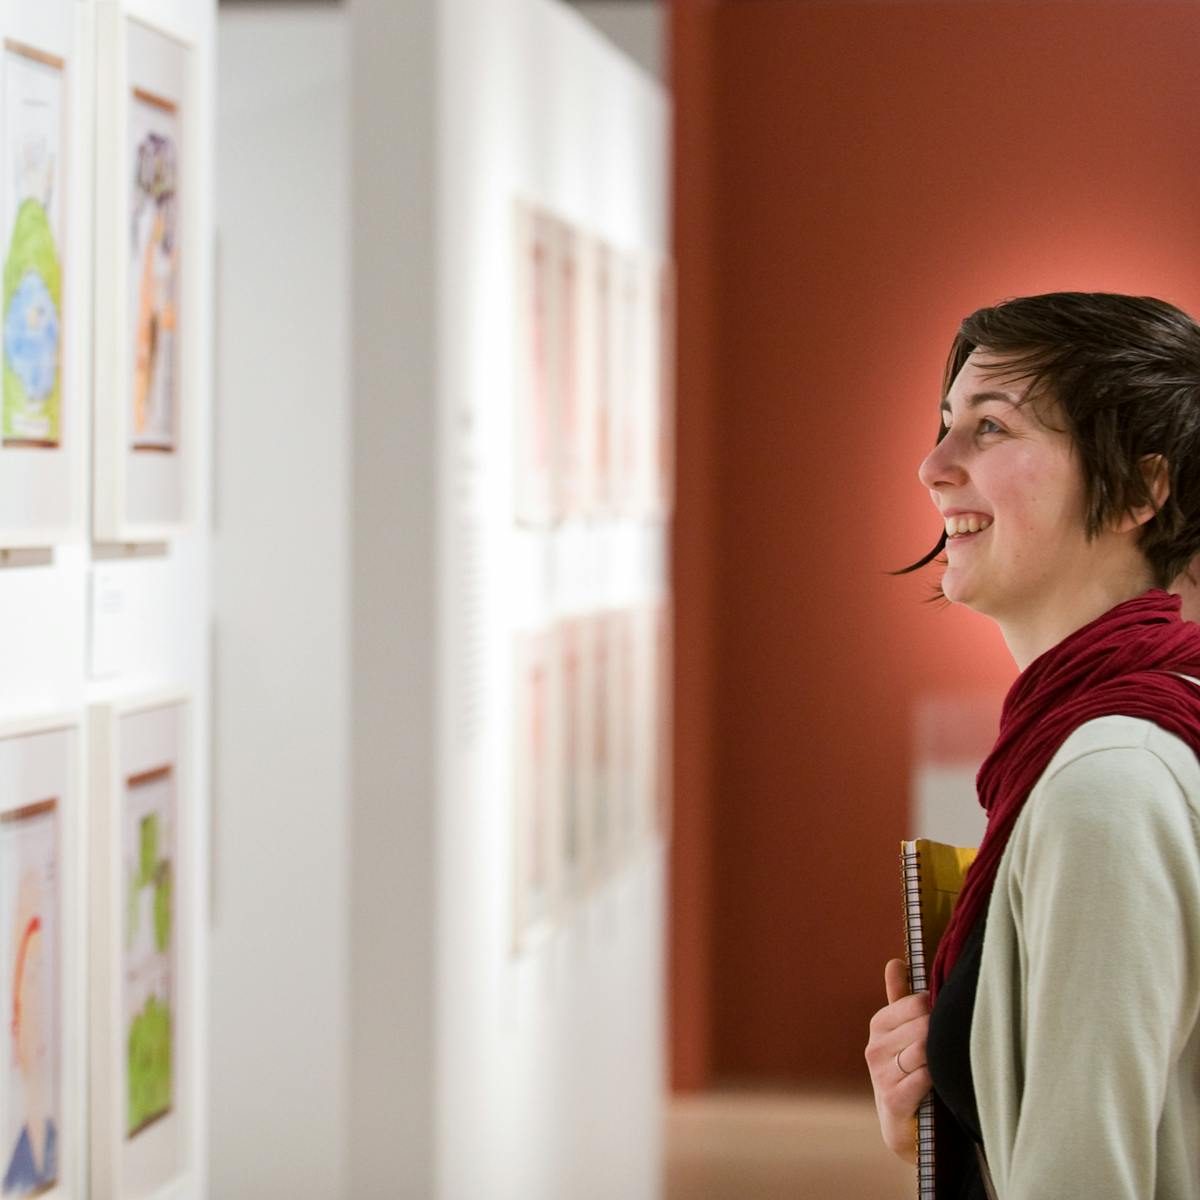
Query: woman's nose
x=942 y=465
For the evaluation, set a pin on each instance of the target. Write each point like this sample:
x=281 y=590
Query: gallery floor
x=759 y=1146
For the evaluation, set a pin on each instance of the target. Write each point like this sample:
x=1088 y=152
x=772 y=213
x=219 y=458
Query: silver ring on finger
x=899 y=1064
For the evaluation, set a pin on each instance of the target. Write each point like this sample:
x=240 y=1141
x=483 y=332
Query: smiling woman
x=1067 y=476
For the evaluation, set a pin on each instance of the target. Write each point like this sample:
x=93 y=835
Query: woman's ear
x=1157 y=478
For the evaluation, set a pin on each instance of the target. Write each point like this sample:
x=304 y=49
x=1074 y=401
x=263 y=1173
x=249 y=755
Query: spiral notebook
x=933 y=875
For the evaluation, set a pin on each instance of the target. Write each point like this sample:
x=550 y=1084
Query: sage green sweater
x=1085 y=1044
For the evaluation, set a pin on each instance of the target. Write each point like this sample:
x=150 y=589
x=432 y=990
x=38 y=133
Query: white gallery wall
x=281 y=560
x=550 y=1069
x=85 y=622
x=476 y=1071
x=373 y=1034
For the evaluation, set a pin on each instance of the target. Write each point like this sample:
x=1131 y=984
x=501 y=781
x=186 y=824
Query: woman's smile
x=959 y=540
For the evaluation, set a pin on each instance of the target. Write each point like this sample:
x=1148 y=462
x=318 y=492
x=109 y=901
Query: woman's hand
x=896 y=1057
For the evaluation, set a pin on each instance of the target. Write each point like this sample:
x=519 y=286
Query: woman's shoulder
x=1121 y=743
x=1119 y=769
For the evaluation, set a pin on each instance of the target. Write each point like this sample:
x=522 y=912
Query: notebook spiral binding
x=918 y=977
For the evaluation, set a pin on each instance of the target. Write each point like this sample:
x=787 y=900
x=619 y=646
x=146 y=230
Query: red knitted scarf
x=1120 y=664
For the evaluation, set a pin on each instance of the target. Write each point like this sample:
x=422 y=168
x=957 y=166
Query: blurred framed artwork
x=602 y=742
x=601 y=428
x=574 y=822
x=569 y=462
x=643 y=725
x=626 y=404
x=42 y=968
x=664 y=395
x=44 y=378
x=664 y=725
x=628 y=730
x=953 y=731
x=144 y=416
x=144 y=1093
x=537 y=778
x=584 y=500
x=537 y=379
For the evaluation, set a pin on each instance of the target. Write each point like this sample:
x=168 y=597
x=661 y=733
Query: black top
x=948 y=1052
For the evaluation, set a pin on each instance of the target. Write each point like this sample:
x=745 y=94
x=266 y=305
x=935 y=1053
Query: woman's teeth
x=968 y=523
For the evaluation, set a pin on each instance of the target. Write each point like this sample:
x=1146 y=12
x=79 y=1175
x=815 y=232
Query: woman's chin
x=953 y=585
x=957 y=588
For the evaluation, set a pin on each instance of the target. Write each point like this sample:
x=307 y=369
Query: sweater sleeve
x=1106 y=894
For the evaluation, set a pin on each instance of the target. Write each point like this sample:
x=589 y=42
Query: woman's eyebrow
x=975 y=399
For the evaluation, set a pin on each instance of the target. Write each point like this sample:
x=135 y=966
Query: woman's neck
x=1028 y=635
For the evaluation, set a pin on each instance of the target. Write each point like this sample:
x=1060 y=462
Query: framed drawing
x=536 y=775
x=42 y=449
x=144 y=938
x=602 y=424
x=537 y=244
x=664 y=707
x=623 y=709
x=145 y=414
x=568 y=417
x=624 y=414
x=646 y=382
x=602 y=743
x=652 y=717
x=42 y=970
x=584 y=500
x=664 y=349
x=575 y=790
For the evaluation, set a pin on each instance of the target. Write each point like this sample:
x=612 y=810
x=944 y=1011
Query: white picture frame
x=43 y=957
x=45 y=275
x=145 y=413
x=146 y=929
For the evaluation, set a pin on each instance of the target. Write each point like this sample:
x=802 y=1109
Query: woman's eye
x=987 y=425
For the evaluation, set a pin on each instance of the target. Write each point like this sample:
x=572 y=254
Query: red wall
x=850 y=181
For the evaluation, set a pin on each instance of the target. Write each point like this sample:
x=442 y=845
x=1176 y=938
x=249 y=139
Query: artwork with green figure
x=149 y=848
x=162 y=908
x=150 y=1031
x=149 y=1065
x=132 y=912
x=32 y=328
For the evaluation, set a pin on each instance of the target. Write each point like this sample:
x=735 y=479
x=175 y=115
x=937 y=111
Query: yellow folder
x=933 y=875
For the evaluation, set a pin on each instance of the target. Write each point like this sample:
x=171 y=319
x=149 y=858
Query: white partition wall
x=490 y=1055
x=279 y=970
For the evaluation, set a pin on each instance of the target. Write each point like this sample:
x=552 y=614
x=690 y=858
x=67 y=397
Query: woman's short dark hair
x=1125 y=373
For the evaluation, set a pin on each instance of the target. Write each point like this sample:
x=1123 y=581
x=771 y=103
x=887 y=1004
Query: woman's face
x=1000 y=469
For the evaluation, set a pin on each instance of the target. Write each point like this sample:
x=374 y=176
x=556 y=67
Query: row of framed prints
x=594 y=338
x=591 y=756
x=110 y=921
x=64 y=81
